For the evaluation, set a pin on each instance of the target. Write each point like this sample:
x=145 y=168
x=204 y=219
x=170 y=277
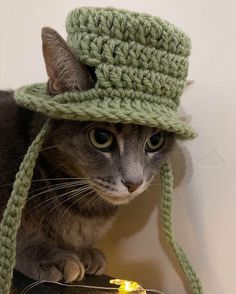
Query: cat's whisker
x=67 y=199
x=78 y=191
x=60 y=185
x=47 y=179
x=57 y=197
x=58 y=179
x=94 y=183
x=70 y=206
x=84 y=197
x=81 y=189
x=87 y=202
x=74 y=203
x=97 y=200
x=48 y=148
x=43 y=217
x=49 y=190
x=93 y=186
x=65 y=184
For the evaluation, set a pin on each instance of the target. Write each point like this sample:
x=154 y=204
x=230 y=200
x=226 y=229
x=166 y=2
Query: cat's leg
x=42 y=260
x=93 y=260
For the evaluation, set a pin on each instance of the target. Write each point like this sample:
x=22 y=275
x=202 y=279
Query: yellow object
x=128 y=286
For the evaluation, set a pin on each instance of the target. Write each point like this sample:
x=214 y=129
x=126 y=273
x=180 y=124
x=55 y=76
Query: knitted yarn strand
x=12 y=216
x=166 y=209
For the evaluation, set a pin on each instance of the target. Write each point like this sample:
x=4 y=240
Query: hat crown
x=141 y=65
x=131 y=52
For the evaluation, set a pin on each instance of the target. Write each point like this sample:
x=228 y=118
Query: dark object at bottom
x=21 y=282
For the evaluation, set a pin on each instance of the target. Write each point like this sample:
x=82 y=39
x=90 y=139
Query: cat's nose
x=132 y=185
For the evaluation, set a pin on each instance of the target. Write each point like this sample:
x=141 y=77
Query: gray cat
x=85 y=170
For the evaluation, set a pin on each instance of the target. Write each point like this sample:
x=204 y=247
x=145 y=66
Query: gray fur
x=76 y=188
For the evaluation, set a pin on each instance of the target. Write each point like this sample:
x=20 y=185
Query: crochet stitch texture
x=141 y=65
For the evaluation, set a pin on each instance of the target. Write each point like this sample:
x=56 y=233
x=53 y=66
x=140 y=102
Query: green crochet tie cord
x=141 y=64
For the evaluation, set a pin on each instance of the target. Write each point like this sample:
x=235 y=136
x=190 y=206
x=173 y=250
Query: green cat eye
x=155 y=142
x=101 y=139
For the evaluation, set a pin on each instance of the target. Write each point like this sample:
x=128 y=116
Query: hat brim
x=97 y=105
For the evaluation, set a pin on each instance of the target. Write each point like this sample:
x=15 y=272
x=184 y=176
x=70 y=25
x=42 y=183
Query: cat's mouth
x=116 y=197
x=116 y=200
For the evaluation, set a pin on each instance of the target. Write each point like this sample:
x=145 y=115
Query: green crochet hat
x=141 y=65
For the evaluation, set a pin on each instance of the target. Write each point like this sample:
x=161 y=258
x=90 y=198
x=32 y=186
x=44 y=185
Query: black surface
x=21 y=282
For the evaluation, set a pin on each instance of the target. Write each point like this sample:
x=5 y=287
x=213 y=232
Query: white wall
x=205 y=206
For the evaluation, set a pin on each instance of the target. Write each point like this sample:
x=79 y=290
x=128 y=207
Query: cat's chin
x=119 y=197
x=117 y=200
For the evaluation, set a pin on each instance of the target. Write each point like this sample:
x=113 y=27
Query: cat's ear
x=65 y=72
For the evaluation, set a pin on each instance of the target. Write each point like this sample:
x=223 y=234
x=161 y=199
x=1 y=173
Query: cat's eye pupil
x=155 y=139
x=101 y=139
x=155 y=142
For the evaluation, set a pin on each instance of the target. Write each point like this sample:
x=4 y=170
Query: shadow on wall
x=133 y=218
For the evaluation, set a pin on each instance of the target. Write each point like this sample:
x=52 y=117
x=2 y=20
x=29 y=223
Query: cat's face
x=117 y=161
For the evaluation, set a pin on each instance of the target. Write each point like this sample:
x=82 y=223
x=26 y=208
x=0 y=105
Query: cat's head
x=118 y=161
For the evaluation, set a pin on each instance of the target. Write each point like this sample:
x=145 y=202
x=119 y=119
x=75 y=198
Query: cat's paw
x=63 y=267
x=94 y=261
